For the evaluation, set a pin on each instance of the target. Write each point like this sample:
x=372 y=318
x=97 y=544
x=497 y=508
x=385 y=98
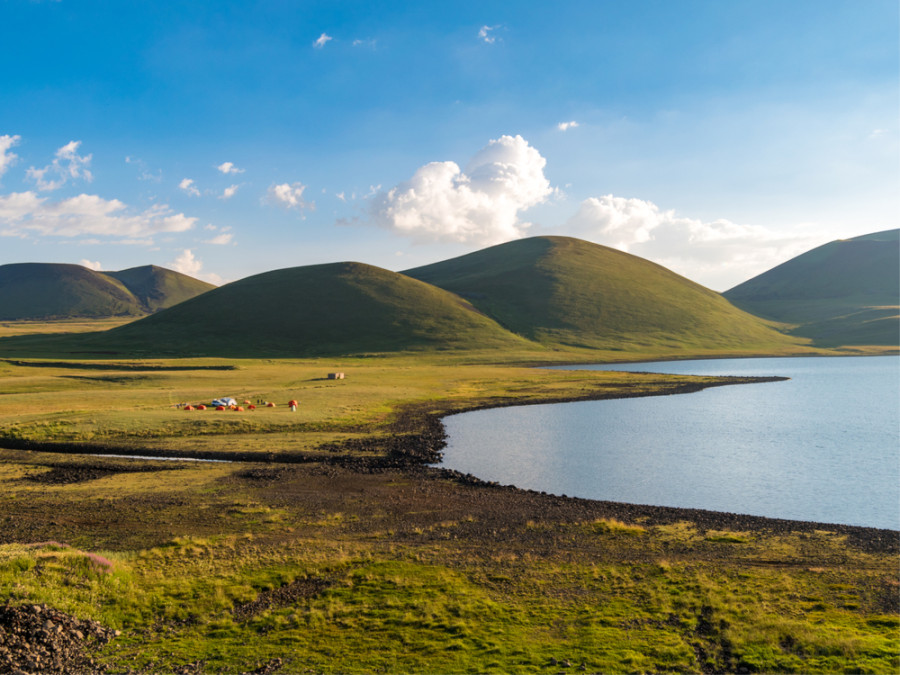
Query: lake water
x=823 y=446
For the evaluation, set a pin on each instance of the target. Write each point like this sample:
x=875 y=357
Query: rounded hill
x=331 y=309
x=157 y=287
x=844 y=292
x=569 y=292
x=59 y=291
x=38 y=291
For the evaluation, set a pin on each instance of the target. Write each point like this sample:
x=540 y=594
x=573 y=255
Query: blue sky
x=231 y=138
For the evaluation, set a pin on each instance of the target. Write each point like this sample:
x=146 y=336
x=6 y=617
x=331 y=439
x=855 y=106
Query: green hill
x=57 y=291
x=338 y=308
x=38 y=291
x=564 y=291
x=158 y=288
x=846 y=292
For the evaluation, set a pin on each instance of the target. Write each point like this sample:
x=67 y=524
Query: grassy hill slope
x=565 y=291
x=158 y=288
x=845 y=292
x=57 y=291
x=36 y=291
x=337 y=308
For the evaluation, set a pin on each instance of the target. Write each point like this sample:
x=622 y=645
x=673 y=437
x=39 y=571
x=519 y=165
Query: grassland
x=339 y=552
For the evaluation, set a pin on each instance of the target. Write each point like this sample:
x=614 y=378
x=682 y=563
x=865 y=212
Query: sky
x=226 y=139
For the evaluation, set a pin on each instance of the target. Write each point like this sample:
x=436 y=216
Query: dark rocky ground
x=40 y=639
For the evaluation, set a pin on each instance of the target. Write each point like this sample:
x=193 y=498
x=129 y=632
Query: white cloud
x=565 y=126
x=289 y=196
x=229 y=167
x=370 y=43
x=24 y=213
x=341 y=196
x=96 y=266
x=229 y=192
x=717 y=254
x=67 y=164
x=7 y=158
x=188 y=263
x=221 y=239
x=480 y=205
x=485 y=34
x=322 y=40
x=187 y=184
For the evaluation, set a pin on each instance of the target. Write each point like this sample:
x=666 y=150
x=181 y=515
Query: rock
x=33 y=641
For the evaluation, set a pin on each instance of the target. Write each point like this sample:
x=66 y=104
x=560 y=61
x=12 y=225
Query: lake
x=823 y=446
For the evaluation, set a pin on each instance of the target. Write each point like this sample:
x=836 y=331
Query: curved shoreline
x=415 y=444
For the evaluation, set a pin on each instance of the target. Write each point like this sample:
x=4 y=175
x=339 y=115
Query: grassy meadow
x=333 y=566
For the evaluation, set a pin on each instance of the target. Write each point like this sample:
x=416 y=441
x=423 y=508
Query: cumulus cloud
x=96 y=266
x=718 y=254
x=7 y=158
x=187 y=185
x=289 y=196
x=229 y=167
x=229 y=192
x=485 y=34
x=565 y=126
x=67 y=164
x=188 y=263
x=322 y=40
x=24 y=213
x=480 y=205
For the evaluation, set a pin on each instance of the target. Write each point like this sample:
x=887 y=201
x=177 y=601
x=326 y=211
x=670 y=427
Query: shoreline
x=415 y=448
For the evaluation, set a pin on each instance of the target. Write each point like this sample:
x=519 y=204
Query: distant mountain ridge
x=846 y=292
x=540 y=293
x=39 y=291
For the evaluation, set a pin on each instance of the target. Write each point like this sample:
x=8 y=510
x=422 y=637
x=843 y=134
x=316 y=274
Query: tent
x=225 y=401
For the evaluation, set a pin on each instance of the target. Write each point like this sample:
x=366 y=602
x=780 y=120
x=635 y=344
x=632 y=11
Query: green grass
x=341 y=308
x=74 y=401
x=540 y=294
x=846 y=292
x=410 y=573
x=620 y=599
x=561 y=291
x=58 y=291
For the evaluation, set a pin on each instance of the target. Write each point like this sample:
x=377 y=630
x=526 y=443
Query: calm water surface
x=823 y=446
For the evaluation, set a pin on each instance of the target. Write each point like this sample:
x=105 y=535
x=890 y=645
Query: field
x=333 y=545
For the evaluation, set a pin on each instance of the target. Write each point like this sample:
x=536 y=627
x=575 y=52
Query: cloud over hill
x=479 y=205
